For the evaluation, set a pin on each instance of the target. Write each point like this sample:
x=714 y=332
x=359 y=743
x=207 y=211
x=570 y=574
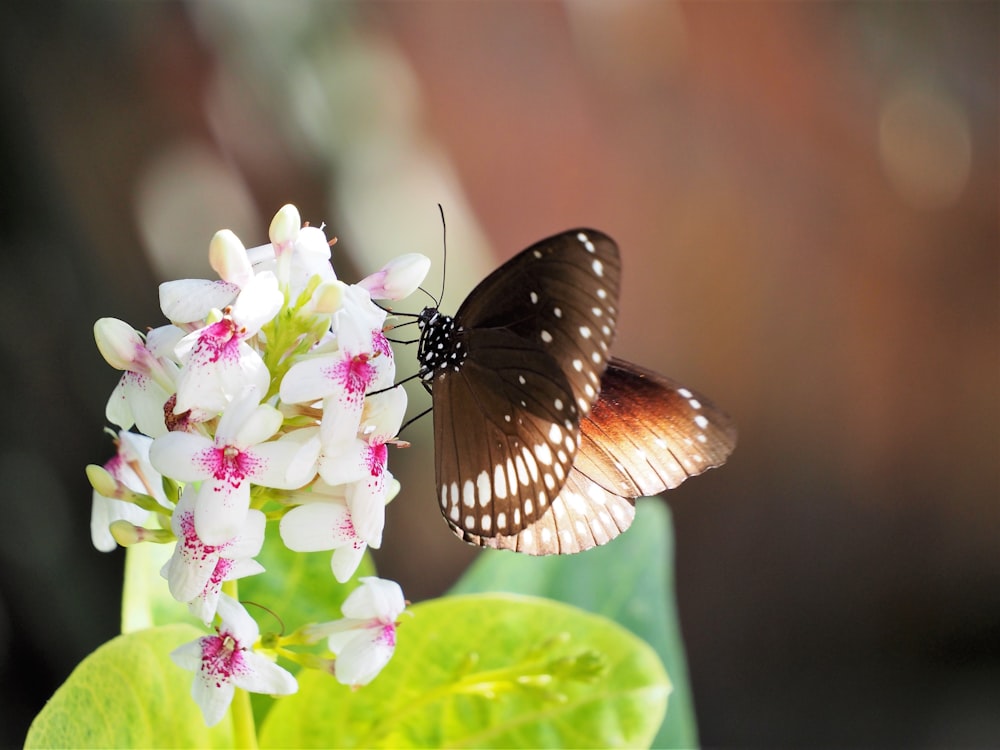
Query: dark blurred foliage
x=806 y=197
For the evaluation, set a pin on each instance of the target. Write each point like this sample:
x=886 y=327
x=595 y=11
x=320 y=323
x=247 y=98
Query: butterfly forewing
x=505 y=434
x=561 y=293
x=645 y=434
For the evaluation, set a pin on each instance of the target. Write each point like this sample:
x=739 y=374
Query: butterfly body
x=528 y=423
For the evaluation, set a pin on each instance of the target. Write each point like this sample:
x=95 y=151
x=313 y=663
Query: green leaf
x=128 y=693
x=454 y=682
x=629 y=581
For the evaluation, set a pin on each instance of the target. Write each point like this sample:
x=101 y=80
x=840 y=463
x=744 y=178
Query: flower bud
x=118 y=342
x=398 y=278
x=102 y=481
x=328 y=297
x=228 y=258
x=285 y=227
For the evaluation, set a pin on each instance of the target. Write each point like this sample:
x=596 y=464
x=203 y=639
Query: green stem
x=244 y=728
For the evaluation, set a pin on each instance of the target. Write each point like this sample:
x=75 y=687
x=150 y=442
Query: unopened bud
x=119 y=343
x=398 y=278
x=102 y=481
x=285 y=227
x=127 y=534
x=228 y=258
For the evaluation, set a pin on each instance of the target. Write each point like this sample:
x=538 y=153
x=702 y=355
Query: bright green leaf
x=453 y=682
x=128 y=694
x=629 y=581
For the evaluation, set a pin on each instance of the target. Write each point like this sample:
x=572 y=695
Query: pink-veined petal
x=145 y=398
x=364 y=656
x=366 y=501
x=221 y=509
x=316 y=527
x=264 y=676
x=310 y=380
x=176 y=455
x=212 y=696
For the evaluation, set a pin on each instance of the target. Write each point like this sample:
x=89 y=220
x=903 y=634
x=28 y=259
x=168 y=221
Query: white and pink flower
x=226 y=661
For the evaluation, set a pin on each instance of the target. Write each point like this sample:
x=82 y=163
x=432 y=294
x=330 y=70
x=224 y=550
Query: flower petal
x=175 y=455
x=316 y=527
x=364 y=656
x=191 y=300
x=375 y=598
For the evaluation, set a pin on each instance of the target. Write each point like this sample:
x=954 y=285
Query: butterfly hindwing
x=647 y=433
x=641 y=438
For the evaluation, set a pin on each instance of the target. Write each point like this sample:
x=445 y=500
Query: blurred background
x=806 y=199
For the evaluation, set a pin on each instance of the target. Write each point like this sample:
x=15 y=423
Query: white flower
x=227 y=465
x=319 y=526
x=145 y=384
x=196 y=570
x=226 y=661
x=218 y=362
x=363 y=363
x=365 y=639
x=361 y=462
x=129 y=466
x=398 y=278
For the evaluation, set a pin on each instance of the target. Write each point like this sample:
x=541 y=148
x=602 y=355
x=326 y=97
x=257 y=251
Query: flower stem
x=244 y=728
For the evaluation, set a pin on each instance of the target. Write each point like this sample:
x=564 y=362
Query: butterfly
x=542 y=440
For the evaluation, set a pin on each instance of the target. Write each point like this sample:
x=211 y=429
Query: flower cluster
x=267 y=397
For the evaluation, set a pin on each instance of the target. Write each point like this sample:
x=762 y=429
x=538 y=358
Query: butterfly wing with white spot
x=502 y=447
x=645 y=434
x=561 y=293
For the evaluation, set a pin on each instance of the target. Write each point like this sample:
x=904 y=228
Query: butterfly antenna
x=444 y=245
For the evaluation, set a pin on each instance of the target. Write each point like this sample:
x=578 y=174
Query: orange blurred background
x=806 y=199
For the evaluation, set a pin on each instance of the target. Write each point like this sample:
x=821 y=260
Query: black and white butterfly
x=542 y=441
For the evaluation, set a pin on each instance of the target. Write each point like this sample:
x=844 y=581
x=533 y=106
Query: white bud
x=285 y=226
x=119 y=343
x=229 y=258
x=398 y=278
